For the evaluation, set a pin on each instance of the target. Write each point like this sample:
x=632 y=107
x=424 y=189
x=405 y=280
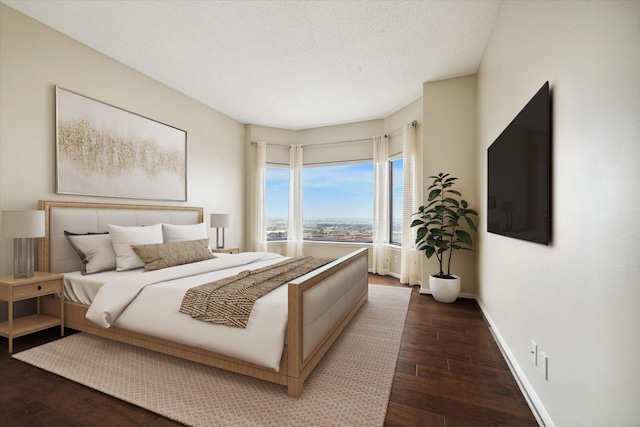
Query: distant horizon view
x=337 y=203
x=324 y=219
x=326 y=229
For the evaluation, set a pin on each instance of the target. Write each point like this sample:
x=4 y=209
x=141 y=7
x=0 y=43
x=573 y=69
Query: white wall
x=449 y=146
x=34 y=58
x=579 y=297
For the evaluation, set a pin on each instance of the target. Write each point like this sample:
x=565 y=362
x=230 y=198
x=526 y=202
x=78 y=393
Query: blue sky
x=277 y=193
x=329 y=192
x=344 y=191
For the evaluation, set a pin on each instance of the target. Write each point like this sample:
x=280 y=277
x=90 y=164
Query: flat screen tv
x=519 y=174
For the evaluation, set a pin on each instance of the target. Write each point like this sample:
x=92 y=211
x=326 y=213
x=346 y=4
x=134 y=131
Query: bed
x=318 y=305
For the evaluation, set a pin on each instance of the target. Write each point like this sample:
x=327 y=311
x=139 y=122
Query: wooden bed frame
x=297 y=361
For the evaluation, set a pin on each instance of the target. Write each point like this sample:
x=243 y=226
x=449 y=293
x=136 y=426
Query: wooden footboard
x=321 y=304
x=296 y=363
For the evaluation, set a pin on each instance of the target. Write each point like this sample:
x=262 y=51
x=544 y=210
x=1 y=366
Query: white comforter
x=149 y=303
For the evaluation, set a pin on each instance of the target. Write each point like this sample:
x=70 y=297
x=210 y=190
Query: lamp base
x=218 y=245
x=23 y=257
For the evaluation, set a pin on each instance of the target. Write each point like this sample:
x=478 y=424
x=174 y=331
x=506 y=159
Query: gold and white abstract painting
x=103 y=150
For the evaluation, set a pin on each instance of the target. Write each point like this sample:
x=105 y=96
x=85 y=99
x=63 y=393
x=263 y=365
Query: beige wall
x=579 y=297
x=449 y=146
x=34 y=58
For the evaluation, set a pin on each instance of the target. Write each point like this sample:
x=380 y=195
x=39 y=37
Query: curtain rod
x=387 y=135
x=350 y=141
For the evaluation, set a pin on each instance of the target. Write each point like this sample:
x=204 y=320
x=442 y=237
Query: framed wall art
x=102 y=150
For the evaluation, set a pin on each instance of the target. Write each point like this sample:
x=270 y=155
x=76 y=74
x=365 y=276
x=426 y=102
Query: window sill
x=336 y=243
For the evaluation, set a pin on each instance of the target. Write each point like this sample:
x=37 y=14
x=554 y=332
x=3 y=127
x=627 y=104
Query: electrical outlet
x=544 y=366
x=395 y=259
x=279 y=251
x=534 y=353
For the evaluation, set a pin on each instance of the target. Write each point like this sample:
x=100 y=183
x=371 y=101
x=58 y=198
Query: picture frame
x=103 y=150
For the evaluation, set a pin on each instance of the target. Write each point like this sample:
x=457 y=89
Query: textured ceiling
x=288 y=64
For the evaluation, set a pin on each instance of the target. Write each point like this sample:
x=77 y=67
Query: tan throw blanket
x=229 y=301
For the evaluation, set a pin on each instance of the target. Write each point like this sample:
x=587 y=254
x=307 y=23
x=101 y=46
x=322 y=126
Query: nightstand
x=226 y=250
x=39 y=284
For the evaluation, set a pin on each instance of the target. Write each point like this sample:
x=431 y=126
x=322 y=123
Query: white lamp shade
x=219 y=221
x=19 y=224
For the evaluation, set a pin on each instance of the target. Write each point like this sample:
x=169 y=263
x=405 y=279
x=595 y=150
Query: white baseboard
x=539 y=412
x=395 y=275
x=466 y=295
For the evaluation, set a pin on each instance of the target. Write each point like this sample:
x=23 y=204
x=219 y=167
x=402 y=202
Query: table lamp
x=219 y=221
x=24 y=227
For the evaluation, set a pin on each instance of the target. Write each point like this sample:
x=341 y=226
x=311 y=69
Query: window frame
x=392 y=158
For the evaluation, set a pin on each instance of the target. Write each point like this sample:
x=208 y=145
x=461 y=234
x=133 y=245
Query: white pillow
x=95 y=251
x=182 y=233
x=123 y=237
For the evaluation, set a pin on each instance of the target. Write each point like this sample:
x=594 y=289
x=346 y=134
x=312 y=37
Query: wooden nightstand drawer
x=16 y=289
x=225 y=250
x=31 y=290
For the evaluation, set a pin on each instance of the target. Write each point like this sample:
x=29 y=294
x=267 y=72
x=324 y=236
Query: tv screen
x=519 y=174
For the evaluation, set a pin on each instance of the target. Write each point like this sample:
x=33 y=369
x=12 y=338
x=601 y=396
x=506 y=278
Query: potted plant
x=439 y=233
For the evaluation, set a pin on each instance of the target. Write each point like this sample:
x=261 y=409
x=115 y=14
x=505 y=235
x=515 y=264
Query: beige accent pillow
x=163 y=255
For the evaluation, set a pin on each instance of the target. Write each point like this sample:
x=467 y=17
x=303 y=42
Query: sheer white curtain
x=381 y=205
x=409 y=267
x=294 y=234
x=260 y=220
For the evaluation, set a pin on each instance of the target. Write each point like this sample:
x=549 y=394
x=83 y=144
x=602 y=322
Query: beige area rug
x=350 y=387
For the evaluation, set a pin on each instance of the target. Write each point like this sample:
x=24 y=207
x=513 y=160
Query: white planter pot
x=444 y=290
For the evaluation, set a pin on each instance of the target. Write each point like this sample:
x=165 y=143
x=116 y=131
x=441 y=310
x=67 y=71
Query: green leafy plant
x=439 y=222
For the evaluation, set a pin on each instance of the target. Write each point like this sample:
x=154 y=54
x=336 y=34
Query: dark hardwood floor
x=450 y=373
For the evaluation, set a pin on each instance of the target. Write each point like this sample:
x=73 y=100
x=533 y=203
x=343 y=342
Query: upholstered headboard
x=56 y=255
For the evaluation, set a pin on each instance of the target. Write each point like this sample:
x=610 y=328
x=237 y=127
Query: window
x=338 y=203
x=395 y=209
x=277 y=189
